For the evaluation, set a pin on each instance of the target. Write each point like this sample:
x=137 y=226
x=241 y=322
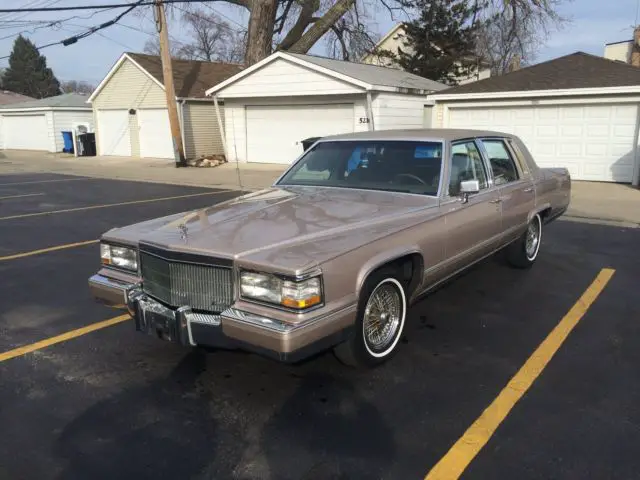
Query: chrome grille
x=202 y=287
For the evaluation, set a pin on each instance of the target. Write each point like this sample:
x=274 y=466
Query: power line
x=87 y=7
x=226 y=17
x=91 y=31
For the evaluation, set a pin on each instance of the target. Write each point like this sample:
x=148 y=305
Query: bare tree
x=351 y=37
x=515 y=34
x=212 y=38
x=74 y=86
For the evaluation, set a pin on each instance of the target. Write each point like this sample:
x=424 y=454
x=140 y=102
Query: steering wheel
x=410 y=175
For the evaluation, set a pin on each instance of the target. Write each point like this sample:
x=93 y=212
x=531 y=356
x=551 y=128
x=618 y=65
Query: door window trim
x=446 y=183
x=516 y=163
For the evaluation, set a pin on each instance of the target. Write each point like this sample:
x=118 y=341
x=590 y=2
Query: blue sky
x=593 y=23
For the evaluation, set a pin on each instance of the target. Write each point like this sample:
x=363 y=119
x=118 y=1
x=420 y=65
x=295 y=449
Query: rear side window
x=503 y=167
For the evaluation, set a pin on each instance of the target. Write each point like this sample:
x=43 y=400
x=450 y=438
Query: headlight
x=118 y=256
x=288 y=293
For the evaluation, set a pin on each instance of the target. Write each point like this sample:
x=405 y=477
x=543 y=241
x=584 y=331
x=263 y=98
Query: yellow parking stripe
x=22 y=196
x=18 y=352
x=453 y=464
x=47 y=250
x=93 y=207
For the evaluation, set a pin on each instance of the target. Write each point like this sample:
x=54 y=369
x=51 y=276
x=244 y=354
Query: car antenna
x=235 y=150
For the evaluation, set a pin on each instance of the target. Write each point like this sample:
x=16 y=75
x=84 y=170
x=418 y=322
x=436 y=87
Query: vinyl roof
x=191 y=77
x=577 y=70
x=66 y=100
x=418 y=134
x=373 y=74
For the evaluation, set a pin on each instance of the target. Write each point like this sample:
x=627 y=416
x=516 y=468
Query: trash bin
x=67 y=137
x=87 y=144
x=307 y=142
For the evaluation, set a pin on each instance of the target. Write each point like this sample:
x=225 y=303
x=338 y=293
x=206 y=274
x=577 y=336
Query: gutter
x=184 y=145
x=223 y=134
x=372 y=125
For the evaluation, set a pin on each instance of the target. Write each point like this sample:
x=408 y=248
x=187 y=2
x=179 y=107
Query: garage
x=155 y=133
x=38 y=124
x=25 y=132
x=130 y=108
x=115 y=136
x=578 y=111
x=273 y=105
x=274 y=131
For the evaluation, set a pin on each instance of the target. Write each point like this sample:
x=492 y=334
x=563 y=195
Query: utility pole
x=167 y=74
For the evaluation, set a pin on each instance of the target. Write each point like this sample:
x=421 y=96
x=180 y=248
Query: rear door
x=514 y=185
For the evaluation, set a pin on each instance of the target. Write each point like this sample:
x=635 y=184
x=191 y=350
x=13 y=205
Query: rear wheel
x=381 y=315
x=523 y=252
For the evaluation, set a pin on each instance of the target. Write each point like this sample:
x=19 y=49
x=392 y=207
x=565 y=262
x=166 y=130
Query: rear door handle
x=528 y=190
x=497 y=200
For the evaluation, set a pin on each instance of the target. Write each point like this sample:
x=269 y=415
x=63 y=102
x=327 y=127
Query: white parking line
x=22 y=196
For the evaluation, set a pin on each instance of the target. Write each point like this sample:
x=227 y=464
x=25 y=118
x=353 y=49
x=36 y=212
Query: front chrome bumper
x=233 y=328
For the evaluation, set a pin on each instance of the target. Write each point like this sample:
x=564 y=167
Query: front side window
x=466 y=164
x=503 y=167
x=391 y=165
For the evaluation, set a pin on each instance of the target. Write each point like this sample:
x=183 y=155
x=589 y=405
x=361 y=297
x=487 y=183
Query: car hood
x=271 y=224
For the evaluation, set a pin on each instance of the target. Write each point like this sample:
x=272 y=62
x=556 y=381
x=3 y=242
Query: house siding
x=397 y=111
x=134 y=135
x=130 y=87
x=236 y=126
x=283 y=77
x=63 y=120
x=202 y=135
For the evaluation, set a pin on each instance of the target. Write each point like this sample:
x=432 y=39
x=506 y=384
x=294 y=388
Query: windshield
x=396 y=166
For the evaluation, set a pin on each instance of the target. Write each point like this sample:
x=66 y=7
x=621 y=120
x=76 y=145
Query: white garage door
x=595 y=142
x=114 y=132
x=155 y=133
x=274 y=132
x=25 y=132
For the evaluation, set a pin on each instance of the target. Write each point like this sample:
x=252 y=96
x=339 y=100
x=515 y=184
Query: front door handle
x=497 y=200
x=528 y=190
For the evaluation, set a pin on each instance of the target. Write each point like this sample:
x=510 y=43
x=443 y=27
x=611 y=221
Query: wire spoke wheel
x=533 y=239
x=382 y=316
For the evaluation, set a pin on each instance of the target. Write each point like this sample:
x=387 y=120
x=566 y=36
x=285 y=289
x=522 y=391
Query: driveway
x=85 y=396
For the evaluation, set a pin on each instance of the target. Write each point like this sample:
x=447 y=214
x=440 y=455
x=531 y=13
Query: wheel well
x=409 y=268
x=544 y=214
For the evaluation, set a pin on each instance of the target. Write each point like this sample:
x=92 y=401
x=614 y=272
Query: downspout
x=372 y=125
x=223 y=134
x=184 y=144
x=635 y=179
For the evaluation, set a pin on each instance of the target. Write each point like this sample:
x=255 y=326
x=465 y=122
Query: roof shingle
x=191 y=77
x=66 y=100
x=577 y=70
x=373 y=74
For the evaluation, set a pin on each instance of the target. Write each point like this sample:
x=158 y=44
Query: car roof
x=418 y=134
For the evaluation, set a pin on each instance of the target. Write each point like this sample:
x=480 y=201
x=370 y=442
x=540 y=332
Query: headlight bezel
x=116 y=266
x=284 y=279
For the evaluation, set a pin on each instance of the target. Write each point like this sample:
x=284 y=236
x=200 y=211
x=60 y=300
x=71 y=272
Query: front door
x=515 y=187
x=473 y=227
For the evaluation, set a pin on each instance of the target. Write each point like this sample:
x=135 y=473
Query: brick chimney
x=635 y=47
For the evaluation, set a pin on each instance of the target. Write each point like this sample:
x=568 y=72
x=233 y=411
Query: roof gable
x=191 y=77
x=575 y=71
x=363 y=76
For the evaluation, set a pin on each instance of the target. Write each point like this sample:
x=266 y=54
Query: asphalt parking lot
x=116 y=404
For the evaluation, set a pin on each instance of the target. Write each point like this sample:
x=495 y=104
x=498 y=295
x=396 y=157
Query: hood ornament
x=184 y=232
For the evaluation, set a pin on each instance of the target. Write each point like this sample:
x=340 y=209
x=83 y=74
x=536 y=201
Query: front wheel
x=523 y=252
x=381 y=315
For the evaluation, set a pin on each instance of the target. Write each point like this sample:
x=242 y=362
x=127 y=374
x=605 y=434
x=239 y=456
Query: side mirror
x=467 y=188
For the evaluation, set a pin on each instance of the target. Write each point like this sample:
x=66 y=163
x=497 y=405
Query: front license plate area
x=158 y=320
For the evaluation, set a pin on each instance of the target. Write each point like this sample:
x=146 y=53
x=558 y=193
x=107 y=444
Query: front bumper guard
x=232 y=328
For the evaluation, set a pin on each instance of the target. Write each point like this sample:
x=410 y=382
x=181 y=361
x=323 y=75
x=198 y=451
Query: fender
x=381 y=259
x=537 y=209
